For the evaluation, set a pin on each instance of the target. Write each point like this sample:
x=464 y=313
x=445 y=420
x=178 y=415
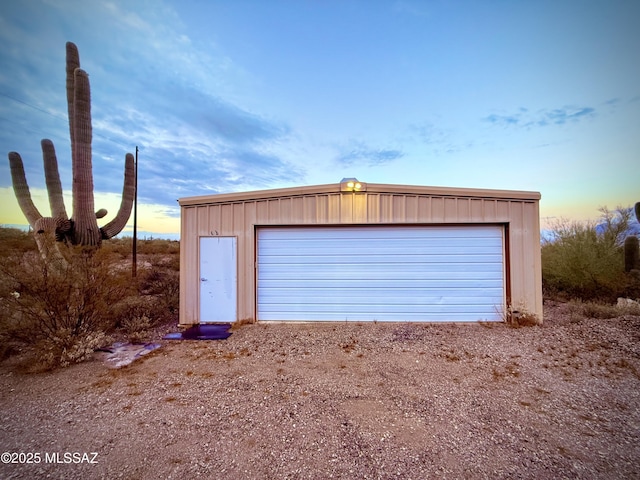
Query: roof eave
x=334 y=188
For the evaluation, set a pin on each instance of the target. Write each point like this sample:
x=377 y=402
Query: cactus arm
x=73 y=62
x=85 y=224
x=116 y=225
x=21 y=189
x=637 y=210
x=52 y=177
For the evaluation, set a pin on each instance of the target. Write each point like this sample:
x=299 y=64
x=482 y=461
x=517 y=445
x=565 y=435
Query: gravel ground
x=348 y=400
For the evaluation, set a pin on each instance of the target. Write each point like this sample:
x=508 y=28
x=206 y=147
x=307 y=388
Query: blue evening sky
x=233 y=95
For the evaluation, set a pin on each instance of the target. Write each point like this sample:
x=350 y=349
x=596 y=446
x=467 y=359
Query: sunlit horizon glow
x=224 y=96
x=156 y=219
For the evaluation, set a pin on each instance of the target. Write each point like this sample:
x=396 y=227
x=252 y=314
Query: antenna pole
x=134 y=262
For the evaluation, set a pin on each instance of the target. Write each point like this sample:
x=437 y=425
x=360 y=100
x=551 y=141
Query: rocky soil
x=341 y=400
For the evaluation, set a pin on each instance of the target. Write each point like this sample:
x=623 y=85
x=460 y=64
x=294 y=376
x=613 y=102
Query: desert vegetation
x=67 y=297
x=586 y=260
x=57 y=313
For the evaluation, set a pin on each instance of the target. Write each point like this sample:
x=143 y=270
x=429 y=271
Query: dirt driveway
x=346 y=400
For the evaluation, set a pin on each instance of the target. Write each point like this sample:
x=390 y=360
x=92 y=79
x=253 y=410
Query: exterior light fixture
x=352 y=185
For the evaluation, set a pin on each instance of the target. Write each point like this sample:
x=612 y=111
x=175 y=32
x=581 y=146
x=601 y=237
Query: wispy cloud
x=193 y=144
x=359 y=153
x=428 y=133
x=418 y=9
x=231 y=170
x=541 y=118
x=436 y=139
x=174 y=100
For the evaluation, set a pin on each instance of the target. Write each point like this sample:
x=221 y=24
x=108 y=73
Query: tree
x=586 y=259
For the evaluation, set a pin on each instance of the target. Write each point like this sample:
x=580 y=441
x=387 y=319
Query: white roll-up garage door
x=383 y=273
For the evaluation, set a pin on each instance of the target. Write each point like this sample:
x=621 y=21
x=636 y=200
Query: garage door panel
x=455 y=313
x=381 y=273
x=381 y=247
x=363 y=258
x=383 y=310
x=395 y=309
x=383 y=295
x=383 y=232
x=346 y=283
x=377 y=272
x=374 y=247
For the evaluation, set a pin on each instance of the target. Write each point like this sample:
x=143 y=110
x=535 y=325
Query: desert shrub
x=155 y=301
x=162 y=281
x=158 y=246
x=121 y=246
x=137 y=315
x=63 y=309
x=592 y=309
x=67 y=347
x=145 y=246
x=520 y=316
x=585 y=260
x=137 y=328
x=63 y=312
x=14 y=241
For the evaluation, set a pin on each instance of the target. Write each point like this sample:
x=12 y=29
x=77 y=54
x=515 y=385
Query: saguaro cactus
x=82 y=228
x=631 y=248
x=631 y=253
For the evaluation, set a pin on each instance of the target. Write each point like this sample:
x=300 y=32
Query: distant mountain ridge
x=634 y=228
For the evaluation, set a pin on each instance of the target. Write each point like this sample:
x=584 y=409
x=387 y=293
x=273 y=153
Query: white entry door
x=218 y=279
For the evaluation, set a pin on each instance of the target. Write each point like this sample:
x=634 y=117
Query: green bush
x=585 y=260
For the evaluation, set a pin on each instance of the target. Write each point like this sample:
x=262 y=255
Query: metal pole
x=134 y=263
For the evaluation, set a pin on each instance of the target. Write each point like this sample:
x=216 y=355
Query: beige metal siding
x=239 y=214
x=189 y=256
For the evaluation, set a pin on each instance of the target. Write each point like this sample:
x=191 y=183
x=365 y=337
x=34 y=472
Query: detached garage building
x=359 y=252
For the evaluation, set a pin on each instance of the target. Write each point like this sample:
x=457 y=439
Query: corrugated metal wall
x=204 y=216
